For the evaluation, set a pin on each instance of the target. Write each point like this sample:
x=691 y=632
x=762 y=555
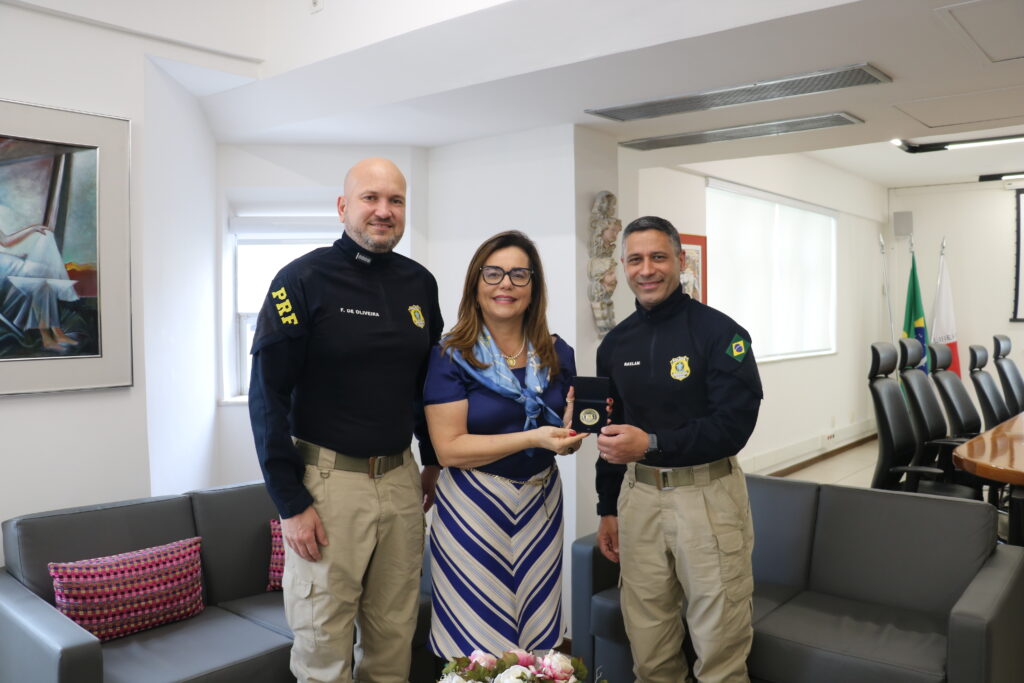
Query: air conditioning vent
x=754 y=130
x=788 y=86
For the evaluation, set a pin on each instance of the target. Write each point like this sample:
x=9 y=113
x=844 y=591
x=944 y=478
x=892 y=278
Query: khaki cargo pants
x=369 y=574
x=687 y=551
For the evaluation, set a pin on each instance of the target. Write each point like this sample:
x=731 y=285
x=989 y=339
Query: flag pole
x=885 y=285
x=942 y=256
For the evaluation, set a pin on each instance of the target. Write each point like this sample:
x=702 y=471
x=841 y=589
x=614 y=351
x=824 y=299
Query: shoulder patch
x=284 y=308
x=737 y=348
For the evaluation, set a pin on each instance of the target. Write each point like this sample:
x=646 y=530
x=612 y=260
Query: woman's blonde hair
x=463 y=336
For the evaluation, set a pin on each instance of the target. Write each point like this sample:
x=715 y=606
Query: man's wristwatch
x=652 y=445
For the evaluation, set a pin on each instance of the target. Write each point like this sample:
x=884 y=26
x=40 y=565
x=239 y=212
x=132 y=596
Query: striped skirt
x=496 y=563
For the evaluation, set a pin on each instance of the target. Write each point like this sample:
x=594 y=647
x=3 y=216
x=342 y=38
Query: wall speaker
x=903 y=223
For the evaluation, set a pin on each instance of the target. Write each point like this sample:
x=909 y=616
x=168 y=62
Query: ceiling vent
x=788 y=86
x=754 y=130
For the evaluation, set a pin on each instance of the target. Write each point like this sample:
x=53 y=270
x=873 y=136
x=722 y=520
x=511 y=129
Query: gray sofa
x=241 y=635
x=851 y=585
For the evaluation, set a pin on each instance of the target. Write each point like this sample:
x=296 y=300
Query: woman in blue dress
x=496 y=394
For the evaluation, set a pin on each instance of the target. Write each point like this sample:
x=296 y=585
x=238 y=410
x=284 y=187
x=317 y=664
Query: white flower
x=514 y=673
x=452 y=678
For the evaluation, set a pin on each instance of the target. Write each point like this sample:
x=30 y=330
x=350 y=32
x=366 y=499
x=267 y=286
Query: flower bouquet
x=514 y=666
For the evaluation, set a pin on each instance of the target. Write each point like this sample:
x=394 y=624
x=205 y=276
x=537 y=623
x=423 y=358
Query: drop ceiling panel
x=976 y=107
x=995 y=26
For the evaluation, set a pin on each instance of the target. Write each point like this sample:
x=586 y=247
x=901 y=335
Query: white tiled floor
x=849 y=468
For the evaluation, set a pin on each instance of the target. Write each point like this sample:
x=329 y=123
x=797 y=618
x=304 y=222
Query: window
x=260 y=248
x=771 y=267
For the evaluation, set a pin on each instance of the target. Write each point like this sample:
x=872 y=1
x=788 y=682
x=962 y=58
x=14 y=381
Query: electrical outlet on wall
x=316 y=5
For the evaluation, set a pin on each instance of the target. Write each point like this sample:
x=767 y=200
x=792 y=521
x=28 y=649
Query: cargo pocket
x=734 y=561
x=300 y=607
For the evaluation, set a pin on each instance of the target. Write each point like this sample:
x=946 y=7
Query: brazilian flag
x=914 y=326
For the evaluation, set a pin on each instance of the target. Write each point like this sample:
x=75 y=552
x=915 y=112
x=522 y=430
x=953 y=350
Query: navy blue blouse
x=490 y=413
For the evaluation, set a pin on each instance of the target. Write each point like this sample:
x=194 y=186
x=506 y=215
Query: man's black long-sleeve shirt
x=685 y=372
x=339 y=359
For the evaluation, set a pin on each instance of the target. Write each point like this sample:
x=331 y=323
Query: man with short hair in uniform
x=339 y=359
x=687 y=394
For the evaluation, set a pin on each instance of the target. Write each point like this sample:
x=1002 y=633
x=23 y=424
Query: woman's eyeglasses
x=493 y=275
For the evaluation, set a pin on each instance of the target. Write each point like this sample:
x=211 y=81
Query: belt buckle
x=376 y=466
x=663 y=473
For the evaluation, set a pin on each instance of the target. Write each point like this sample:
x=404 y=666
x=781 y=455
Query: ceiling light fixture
x=986 y=143
x=1010 y=175
x=914 y=148
x=754 y=130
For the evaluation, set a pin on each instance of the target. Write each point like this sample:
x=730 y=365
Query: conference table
x=998 y=454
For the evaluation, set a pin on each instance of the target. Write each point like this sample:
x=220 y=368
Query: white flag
x=943 y=320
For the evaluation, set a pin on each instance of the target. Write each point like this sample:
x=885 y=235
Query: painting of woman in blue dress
x=48 y=265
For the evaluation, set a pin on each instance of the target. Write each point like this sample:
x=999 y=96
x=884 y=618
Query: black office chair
x=898 y=446
x=964 y=420
x=928 y=420
x=965 y=423
x=1009 y=374
x=993 y=407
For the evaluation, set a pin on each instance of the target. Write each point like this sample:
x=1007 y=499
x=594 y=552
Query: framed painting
x=65 y=275
x=694 y=274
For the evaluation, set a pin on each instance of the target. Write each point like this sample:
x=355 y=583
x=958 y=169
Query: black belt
x=671 y=477
x=375 y=466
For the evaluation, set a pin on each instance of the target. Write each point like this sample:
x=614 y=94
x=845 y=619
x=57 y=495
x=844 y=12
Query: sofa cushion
x=32 y=541
x=236 y=539
x=115 y=596
x=265 y=609
x=276 y=570
x=815 y=637
x=903 y=550
x=606 y=614
x=213 y=647
x=784 y=512
x=769 y=596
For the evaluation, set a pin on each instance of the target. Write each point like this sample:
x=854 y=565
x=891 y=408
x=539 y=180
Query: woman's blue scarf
x=498 y=377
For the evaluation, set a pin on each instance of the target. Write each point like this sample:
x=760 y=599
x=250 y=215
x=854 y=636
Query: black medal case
x=589 y=412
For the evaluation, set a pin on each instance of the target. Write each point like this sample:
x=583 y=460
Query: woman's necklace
x=511 y=360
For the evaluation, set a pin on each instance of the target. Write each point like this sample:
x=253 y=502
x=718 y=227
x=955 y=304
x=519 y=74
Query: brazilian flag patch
x=737 y=349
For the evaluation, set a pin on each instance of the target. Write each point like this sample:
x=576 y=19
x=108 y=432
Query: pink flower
x=555 y=666
x=481 y=659
x=523 y=658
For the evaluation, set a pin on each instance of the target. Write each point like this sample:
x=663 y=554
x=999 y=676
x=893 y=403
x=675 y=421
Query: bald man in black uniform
x=687 y=396
x=339 y=358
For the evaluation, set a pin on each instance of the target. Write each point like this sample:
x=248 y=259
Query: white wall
x=800 y=412
x=978 y=221
x=179 y=250
x=596 y=157
x=91 y=446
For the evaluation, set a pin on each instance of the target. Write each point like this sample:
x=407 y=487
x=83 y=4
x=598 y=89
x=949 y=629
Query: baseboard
x=801 y=453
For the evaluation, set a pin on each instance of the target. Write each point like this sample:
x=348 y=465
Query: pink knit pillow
x=113 y=596
x=276 y=556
